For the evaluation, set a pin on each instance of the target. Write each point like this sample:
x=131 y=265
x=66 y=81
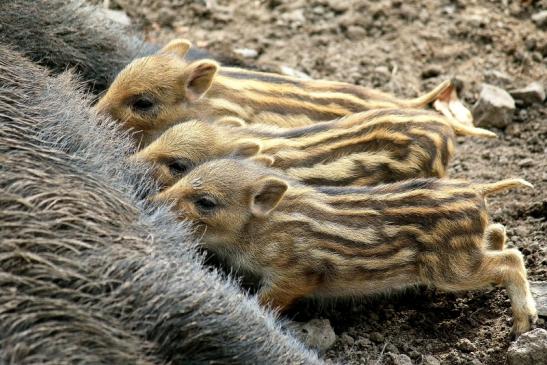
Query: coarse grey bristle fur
x=90 y=273
x=63 y=34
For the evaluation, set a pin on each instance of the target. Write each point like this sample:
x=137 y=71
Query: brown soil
x=405 y=48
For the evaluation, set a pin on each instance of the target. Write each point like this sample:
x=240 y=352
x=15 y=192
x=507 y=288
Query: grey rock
x=317 y=333
x=494 y=108
x=529 y=349
x=476 y=20
x=466 y=345
x=533 y=93
x=539 y=292
x=430 y=360
x=377 y=337
x=339 y=5
x=498 y=78
x=246 y=52
x=527 y=162
x=356 y=33
x=289 y=71
x=400 y=359
x=540 y=18
x=345 y=338
x=392 y=348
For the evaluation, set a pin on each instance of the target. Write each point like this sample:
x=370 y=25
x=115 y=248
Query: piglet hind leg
x=495 y=237
x=504 y=268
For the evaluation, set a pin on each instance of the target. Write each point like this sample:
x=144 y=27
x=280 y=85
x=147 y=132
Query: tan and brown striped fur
x=366 y=148
x=154 y=93
x=307 y=241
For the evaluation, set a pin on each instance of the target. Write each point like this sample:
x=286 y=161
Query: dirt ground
x=405 y=48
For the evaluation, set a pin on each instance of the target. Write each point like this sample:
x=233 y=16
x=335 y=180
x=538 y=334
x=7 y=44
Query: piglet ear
x=198 y=77
x=178 y=47
x=267 y=193
x=246 y=149
x=263 y=160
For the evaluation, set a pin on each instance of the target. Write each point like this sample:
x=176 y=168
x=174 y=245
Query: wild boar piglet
x=153 y=93
x=305 y=241
x=366 y=148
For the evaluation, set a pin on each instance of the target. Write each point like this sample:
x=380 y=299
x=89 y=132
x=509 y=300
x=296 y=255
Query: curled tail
x=430 y=97
x=465 y=130
x=487 y=189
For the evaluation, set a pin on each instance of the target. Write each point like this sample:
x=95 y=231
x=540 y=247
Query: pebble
x=377 y=337
x=246 y=52
x=289 y=71
x=317 y=333
x=533 y=93
x=400 y=359
x=356 y=33
x=392 y=348
x=540 y=18
x=430 y=360
x=339 y=6
x=497 y=78
x=494 y=108
x=539 y=292
x=345 y=338
x=466 y=345
x=529 y=349
x=527 y=162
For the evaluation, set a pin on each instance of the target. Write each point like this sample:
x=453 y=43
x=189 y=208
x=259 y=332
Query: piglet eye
x=205 y=204
x=142 y=103
x=178 y=167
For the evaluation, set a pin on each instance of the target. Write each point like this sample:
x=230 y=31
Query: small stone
x=527 y=162
x=356 y=33
x=529 y=349
x=430 y=360
x=345 y=338
x=246 y=52
x=477 y=21
x=382 y=70
x=166 y=17
x=541 y=47
x=497 y=78
x=533 y=93
x=466 y=345
x=540 y=18
x=530 y=44
x=392 y=348
x=539 y=292
x=431 y=71
x=296 y=16
x=317 y=333
x=339 y=6
x=537 y=56
x=400 y=359
x=494 y=107
x=289 y=71
x=414 y=354
x=377 y=337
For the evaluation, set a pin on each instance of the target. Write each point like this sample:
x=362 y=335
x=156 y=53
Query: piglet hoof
x=523 y=325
